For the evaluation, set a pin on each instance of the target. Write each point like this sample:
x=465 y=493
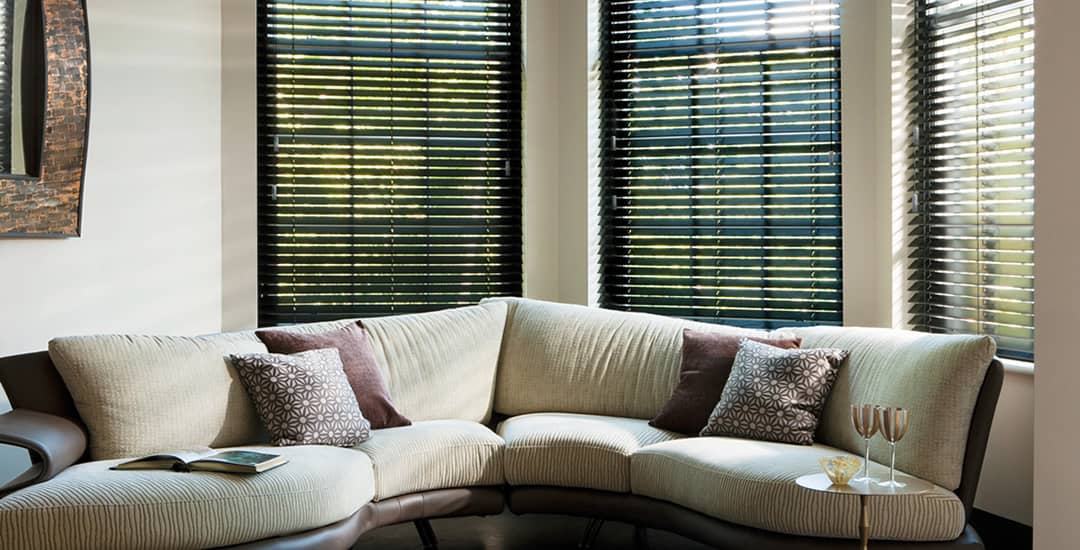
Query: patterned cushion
x=707 y=359
x=303 y=399
x=575 y=450
x=775 y=394
x=358 y=359
x=752 y=483
x=144 y=394
x=434 y=454
x=89 y=507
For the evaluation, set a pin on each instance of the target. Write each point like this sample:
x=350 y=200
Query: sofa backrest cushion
x=936 y=376
x=438 y=365
x=142 y=394
x=576 y=359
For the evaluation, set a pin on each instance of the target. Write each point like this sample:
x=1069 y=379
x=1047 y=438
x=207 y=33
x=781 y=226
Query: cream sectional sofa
x=535 y=406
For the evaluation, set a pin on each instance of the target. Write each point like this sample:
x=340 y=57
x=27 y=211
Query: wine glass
x=867 y=420
x=893 y=424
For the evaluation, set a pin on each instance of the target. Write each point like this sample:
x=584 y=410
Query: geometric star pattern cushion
x=775 y=394
x=357 y=358
x=304 y=398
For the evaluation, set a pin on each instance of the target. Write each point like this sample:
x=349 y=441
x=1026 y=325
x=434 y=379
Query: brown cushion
x=775 y=394
x=706 y=364
x=358 y=359
x=303 y=399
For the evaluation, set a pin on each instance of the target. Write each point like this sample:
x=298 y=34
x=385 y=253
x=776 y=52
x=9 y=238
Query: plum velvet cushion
x=775 y=394
x=707 y=358
x=358 y=360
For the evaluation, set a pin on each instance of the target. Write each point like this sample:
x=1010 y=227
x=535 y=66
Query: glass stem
x=866 y=461
x=892 y=464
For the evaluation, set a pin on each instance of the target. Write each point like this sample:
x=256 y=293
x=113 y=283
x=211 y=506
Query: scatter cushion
x=304 y=398
x=358 y=360
x=707 y=359
x=752 y=483
x=434 y=454
x=775 y=394
x=144 y=394
x=89 y=507
x=575 y=450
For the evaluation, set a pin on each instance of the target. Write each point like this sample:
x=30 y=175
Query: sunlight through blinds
x=720 y=177
x=971 y=181
x=389 y=156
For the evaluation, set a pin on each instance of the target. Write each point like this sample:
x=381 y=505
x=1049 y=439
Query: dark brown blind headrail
x=389 y=156
x=720 y=175
x=971 y=176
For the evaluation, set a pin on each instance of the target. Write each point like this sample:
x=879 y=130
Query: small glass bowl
x=840 y=469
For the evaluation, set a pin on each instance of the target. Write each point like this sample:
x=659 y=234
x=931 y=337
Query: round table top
x=820 y=482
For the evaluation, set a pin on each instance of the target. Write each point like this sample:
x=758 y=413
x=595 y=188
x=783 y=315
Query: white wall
x=239 y=162
x=149 y=259
x=541 y=150
x=1057 y=304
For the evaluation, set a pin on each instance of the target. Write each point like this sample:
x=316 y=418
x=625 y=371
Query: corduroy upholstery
x=752 y=483
x=575 y=450
x=434 y=454
x=91 y=507
x=583 y=383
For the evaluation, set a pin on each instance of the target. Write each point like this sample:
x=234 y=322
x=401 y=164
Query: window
x=389 y=156
x=971 y=177
x=720 y=145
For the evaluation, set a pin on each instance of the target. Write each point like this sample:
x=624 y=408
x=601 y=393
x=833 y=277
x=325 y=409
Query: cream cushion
x=565 y=358
x=575 y=450
x=142 y=394
x=436 y=454
x=752 y=483
x=936 y=376
x=437 y=365
x=90 y=507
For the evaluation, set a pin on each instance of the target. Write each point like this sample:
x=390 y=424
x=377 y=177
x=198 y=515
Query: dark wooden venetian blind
x=720 y=177
x=7 y=87
x=972 y=170
x=389 y=156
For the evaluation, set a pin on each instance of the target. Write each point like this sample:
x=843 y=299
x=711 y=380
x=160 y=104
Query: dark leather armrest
x=54 y=444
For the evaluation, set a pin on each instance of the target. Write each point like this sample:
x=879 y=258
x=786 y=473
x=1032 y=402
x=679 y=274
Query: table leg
x=864 y=521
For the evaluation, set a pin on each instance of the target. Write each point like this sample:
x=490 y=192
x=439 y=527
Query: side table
x=820 y=482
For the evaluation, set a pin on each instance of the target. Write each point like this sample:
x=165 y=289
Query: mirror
x=20 y=75
x=44 y=116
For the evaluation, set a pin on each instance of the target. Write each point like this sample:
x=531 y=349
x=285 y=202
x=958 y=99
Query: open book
x=235 y=462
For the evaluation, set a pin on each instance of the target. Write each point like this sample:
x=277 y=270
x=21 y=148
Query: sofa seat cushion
x=89 y=506
x=434 y=454
x=575 y=450
x=752 y=483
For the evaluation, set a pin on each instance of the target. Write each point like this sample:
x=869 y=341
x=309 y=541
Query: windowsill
x=1018 y=367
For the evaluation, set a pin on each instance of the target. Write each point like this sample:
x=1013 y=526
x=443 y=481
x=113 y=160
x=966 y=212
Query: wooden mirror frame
x=49 y=204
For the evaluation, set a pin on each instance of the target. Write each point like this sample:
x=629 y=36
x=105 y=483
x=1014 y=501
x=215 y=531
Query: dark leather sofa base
x=657 y=514
x=444 y=503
